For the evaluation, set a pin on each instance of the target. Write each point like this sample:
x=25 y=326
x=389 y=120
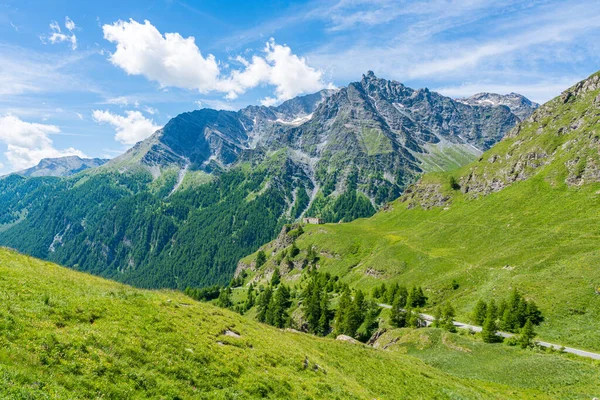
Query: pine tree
x=403 y=295
x=527 y=335
x=325 y=319
x=342 y=311
x=261 y=259
x=448 y=317
x=263 y=302
x=438 y=318
x=275 y=278
x=392 y=293
x=421 y=298
x=398 y=315
x=494 y=311
x=479 y=313
x=312 y=305
x=370 y=321
x=279 y=306
x=488 y=332
x=224 y=299
x=355 y=314
x=534 y=313
x=413 y=320
x=250 y=297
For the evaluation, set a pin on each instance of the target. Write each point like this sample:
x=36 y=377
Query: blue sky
x=92 y=78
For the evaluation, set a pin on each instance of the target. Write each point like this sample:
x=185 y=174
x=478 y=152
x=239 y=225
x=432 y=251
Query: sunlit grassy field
x=66 y=335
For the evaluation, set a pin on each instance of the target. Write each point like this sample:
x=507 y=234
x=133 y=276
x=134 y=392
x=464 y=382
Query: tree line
x=515 y=314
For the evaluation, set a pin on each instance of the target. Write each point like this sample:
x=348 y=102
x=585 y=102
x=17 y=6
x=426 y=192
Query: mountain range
x=182 y=207
x=523 y=216
x=62 y=166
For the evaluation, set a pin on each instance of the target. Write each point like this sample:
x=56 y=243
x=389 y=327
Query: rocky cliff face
x=62 y=167
x=521 y=106
x=559 y=141
x=368 y=136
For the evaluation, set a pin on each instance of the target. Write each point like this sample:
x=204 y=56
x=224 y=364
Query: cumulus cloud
x=69 y=24
x=27 y=143
x=131 y=128
x=57 y=36
x=175 y=61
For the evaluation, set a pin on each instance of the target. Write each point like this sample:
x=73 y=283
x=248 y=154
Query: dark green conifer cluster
x=515 y=314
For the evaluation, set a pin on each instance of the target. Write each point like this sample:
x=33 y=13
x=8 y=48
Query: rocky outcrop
x=347 y=339
x=425 y=196
x=521 y=106
x=562 y=133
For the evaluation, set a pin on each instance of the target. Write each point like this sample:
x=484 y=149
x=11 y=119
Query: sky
x=93 y=78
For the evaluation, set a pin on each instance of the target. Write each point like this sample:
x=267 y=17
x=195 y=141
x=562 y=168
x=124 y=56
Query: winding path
x=461 y=325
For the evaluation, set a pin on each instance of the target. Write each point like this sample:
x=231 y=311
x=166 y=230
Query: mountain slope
x=61 y=167
x=181 y=208
x=524 y=215
x=521 y=106
x=69 y=335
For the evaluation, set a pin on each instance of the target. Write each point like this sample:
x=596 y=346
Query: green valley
x=523 y=216
x=65 y=334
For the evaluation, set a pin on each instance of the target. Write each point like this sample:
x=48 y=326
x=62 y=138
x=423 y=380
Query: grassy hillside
x=64 y=334
x=525 y=215
x=460 y=355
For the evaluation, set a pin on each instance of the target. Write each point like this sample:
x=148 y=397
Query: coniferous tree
x=261 y=258
x=250 y=297
x=493 y=310
x=403 y=295
x=438 y=316
x=275 y=278
x=342 y=311
x=421 y=298
x=263 y=302
x=479 y=313
x=392 y=293
x=448 y=317
x=413 y=320
x=533 y=313
x=370 y=321
x=325 y=319
x=527 y=335
x=279 y=305
x=398 y=314
x=312 y=305
x=224 y=299
x=355 y=314
x=294 y=250
x=488 y=332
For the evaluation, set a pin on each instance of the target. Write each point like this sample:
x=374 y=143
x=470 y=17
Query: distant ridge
x=62 y=166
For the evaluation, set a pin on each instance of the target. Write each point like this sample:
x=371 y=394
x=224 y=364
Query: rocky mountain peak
x=520 y=105
x=62 y=166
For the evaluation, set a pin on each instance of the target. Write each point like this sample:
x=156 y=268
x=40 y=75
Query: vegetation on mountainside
x=521 y=217
x=461 y=355
x=64 y=334
x=129 y=228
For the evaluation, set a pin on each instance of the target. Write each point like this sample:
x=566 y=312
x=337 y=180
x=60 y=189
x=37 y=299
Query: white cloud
x=175 y=61
x=123 y=101
x=528 y=46
x=150 y=110
x=131 y=128
x=69 y=24
x=56 y=35
x=27 y=143
x=216 y=104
